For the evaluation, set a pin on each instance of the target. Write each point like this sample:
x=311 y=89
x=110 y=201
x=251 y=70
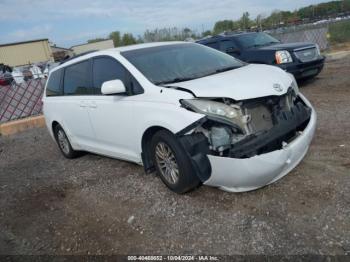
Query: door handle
x=82 y=104
x=93 y=105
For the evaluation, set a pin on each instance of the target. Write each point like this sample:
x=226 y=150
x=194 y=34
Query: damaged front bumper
x=241 y=175
x=258 y=160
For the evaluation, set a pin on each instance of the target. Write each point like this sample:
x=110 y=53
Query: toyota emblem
x=278 y=87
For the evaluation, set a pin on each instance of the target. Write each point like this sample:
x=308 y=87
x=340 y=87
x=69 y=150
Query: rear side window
x=106 y=69
x=227 y=45
x=214 y=45
x=77 y=79
x=54 y=87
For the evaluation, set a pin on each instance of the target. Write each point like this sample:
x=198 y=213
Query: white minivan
x=194 y=114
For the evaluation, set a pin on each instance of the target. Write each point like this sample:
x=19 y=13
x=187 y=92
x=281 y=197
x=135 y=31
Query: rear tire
x=64 y=144
x=172 y=163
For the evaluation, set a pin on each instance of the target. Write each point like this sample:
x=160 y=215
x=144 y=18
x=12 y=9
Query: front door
x=111 y=116
x=229 y=47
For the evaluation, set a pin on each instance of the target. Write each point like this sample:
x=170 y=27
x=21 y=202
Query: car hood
x=247 y=82
x=287 y=46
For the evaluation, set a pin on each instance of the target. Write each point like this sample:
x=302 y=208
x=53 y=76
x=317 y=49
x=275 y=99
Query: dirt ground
x=97 y=205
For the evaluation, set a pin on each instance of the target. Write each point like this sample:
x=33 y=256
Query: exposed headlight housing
x=283 y=57
x=229 y=113
x=318 y=50
x=294 y=84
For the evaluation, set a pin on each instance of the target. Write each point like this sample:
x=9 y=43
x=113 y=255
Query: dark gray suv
x=303 y=60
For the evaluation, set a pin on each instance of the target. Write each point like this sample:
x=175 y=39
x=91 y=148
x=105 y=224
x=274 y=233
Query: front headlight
x=294 y=84
x=230 y=114
x=283 y=57
x=318 y=50
x=212 y=108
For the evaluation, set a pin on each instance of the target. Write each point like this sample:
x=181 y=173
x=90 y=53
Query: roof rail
x=209 y=37
x=223 y=34
x=76 y=56
x=226 y=33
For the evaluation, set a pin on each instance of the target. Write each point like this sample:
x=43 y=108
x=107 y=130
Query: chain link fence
x=325 y=34
x=19 y=100
x=313 y=34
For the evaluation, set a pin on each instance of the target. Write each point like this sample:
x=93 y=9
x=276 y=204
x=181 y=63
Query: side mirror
x=113 y=87
x=233 y=50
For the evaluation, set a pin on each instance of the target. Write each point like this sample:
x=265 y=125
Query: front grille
x=306 y=55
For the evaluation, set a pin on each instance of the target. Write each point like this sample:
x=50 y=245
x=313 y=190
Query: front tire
x=64 y=144
x=172 y=163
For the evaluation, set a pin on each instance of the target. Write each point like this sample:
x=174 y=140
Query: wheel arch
x=53 y=125
x=146 y=146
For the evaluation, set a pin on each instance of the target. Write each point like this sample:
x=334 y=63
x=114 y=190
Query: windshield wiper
x=175 y=80
x=182 y=79
x=271 y=43
x=266 y=44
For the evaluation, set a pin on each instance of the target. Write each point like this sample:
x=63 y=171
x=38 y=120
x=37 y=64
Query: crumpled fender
x=197 y=148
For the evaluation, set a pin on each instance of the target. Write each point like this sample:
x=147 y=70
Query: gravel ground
x=97 y=205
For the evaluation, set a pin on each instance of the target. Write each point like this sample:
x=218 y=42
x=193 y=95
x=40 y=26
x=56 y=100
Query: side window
x=77 y=79
x=214 y=45
x=54 y=87
x=227 y=45
x=106 y=69
x=135 y=86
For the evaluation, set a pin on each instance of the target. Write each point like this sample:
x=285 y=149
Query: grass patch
x=339 y=32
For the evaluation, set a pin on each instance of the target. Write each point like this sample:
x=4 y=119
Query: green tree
x=206 y=33
x=187 y=32
x=128 y=39
x=139 y=40
x=346 y=6
x=225 y=25
x=245 y=21
x=259 y=20
x=278 y=18
x=168 y=34
x=115 y=36
x=273 y=20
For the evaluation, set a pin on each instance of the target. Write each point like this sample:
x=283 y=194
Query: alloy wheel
x=63 y=141
x=166 y=162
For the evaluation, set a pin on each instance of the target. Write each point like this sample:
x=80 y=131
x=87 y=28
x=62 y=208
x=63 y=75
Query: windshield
x=179 y=62
x=256 y=39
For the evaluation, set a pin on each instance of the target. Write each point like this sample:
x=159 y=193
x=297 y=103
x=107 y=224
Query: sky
x=71 y=22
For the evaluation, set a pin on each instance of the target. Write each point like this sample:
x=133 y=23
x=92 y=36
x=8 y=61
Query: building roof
x=25 y=42
x=58 y=47
x=144 y=45
x=91 y=43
